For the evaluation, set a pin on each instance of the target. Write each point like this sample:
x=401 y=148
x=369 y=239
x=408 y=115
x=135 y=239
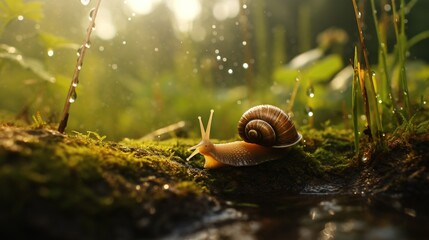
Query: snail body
x=266 y=131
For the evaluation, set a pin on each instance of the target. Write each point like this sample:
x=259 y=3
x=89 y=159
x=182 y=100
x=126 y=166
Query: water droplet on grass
x=309 y=111
x=310 y=91
x=91 y=14
x=79 y=50
x=73 y=97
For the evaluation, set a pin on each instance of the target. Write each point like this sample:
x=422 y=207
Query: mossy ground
x=78 y=186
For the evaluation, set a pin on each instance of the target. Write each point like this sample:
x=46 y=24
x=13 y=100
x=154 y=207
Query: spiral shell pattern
x=268 y=126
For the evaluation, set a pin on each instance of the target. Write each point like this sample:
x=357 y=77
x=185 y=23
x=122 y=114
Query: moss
x=48 y=181
x=80 y=186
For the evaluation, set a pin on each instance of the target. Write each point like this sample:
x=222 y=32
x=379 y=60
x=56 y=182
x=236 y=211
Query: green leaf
x=11 y=54
x=55 y=42
x=318 y=71
x=285 y=75
x=324 y=68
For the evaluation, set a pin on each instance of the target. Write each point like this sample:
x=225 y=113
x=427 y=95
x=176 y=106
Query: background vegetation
x=148 y=67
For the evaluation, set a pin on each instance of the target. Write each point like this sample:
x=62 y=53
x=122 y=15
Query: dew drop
x=20 y=17
x=244 y=6
x=138 y=187
x=405 y=93
x=50 y=52
x=310 y=91
x=379 y=98
x=79 y=50
x=166 y=186
x=244 y=43
x=88 y=44
x=73 y=97
x=217 y=51
x=224 y=59
x=124 y=42
x=230 y=71
x=309 y=111
x=79 y=67
x=93 y=26
x=359 y=14
x=85 y=2
x=91 y=14
x=218 y=58
x=75 y=82
x=245 y=65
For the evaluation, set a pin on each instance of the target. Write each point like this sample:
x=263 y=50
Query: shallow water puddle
x=318 y=217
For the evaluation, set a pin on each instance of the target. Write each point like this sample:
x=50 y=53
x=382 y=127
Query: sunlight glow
x=224 y=9
x=142 y=7
x=185 y=12
x=105 y=29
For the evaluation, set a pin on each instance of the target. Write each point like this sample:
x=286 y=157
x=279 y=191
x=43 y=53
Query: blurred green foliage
x=149 y=74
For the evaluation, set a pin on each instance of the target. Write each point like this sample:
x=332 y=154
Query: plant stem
x=75 y=79
x=402 y=42
x=355 y=87
x=365 y=56
x=383 y=60
x=375 y=113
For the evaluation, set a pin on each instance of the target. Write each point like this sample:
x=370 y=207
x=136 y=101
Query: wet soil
x=78 y=186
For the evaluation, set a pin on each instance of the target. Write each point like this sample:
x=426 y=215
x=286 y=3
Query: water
x=322 y=217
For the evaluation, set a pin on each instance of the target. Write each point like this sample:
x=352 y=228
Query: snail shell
x=268 y=126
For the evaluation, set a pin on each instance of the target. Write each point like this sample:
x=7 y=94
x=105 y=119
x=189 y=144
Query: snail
x=266 y=131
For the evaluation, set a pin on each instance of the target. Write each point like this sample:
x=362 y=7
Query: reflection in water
x=323 y=217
